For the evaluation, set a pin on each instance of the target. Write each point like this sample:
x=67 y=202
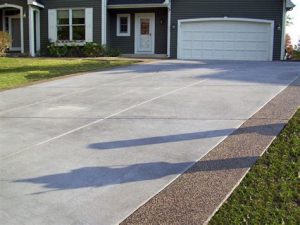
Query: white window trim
x=70 y=25
x=127 y=34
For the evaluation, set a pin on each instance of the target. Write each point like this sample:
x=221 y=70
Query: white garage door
x=225 y=39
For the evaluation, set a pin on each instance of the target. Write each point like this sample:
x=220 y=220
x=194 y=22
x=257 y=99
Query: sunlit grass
x=15 y=72
x=269 y=194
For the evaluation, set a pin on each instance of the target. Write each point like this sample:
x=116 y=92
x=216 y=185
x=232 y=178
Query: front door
x=144 y=30
x=15 y=33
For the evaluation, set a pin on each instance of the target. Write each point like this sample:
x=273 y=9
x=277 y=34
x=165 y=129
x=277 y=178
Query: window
x=71 y=25
x=145 y=26
x=78 y=25
x=63 y=26
x=123 y=25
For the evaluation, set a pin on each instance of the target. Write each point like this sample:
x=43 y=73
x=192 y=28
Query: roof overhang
x=35 y=3
x=166 y=3
x=289 y=5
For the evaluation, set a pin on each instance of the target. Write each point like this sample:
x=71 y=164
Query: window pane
x=62 y=17
x=123 y=28
x=123 y=24
x=63 y=33
x=78 y=17
x=123 y=20
x=78 y=33
x=145 y=26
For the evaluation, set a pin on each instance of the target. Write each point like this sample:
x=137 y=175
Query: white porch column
x=22 y=29
x=104 y=22
x=169 y=31
x=38 y=30
x=31 y=30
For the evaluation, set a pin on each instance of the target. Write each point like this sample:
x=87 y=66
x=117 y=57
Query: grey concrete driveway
x=91 y=149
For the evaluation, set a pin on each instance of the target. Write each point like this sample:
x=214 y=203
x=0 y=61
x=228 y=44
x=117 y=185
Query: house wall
x=255 y=9
x=25 y=25
x=1 y=20
x=126 y=44
x=56 y=4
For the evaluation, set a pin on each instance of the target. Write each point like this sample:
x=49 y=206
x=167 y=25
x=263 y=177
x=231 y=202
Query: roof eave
x=136 y=6
x=289 y=5
x=35 y=3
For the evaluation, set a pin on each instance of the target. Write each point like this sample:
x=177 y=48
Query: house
x=184 y=29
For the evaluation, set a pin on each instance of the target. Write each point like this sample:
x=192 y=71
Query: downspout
x=168 y=3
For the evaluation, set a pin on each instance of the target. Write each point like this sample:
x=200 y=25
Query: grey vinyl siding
x=126 y=44
x=25 y=25
x=1 y=22
x=255 y=9
x=57 y=4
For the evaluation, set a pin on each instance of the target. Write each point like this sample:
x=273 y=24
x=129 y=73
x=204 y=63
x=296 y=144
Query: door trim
x=136 y=35
x=270 y=22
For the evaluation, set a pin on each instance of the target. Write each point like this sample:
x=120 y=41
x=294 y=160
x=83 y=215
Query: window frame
x=70 y=25
x=123 y=34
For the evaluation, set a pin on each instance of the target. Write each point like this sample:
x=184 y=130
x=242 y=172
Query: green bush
x=296 y=55
x=112 y=52
x=87 y=50
x=57 y=51
x=93 y=50
x=5 y=42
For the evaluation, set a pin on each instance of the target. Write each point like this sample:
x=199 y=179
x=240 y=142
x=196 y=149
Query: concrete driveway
x=91 y=149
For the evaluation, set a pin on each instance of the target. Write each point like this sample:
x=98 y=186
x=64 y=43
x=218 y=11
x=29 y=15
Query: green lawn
x=269 y=194
x=16 y=72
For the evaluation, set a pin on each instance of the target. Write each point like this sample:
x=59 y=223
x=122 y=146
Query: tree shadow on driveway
x=266 y=130
x=100 y=176
x=88 y=177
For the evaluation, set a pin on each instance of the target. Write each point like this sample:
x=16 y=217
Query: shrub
x=57 y=51
x=74 y=50
x=5 y=42
x=112 y=52
x=296 y=55
x=93 y=50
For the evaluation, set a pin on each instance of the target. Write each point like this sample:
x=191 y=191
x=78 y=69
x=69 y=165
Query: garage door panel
x=232 y=40
x=230 y=36
x=227 y=26
x=234 y=55
x=225 y=46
